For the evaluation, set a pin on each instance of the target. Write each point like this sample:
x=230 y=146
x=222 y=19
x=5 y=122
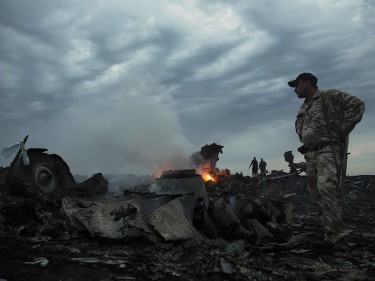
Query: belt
x=320 y=146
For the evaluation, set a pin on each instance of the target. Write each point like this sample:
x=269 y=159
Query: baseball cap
x=304 y=76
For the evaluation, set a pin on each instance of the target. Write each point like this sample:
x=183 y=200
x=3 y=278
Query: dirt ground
x=46 y=255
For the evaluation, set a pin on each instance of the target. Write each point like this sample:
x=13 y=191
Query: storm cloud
x=130 y=87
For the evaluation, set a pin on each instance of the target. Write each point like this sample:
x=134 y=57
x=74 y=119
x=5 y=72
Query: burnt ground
x=28 y=253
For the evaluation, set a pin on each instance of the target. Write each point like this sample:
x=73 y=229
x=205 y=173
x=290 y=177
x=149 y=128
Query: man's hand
x=302 y=149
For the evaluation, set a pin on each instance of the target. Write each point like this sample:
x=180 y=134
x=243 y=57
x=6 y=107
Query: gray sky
x=138 y=86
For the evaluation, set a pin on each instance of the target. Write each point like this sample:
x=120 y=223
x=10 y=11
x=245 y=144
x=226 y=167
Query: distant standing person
x=254 y=163
x=324 y=121
x=262 y=166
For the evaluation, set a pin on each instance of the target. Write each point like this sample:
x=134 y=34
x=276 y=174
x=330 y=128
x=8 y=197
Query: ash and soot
x=199 y=223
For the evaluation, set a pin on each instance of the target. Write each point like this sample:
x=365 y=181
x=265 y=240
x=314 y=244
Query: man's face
x=302 y=88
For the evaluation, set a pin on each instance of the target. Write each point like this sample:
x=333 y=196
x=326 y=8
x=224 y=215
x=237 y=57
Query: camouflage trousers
x=323 y=183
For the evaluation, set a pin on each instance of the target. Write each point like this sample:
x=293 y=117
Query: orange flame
x=208 y=177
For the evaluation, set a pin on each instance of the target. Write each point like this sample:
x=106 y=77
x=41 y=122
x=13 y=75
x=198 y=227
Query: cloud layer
x=129 y=87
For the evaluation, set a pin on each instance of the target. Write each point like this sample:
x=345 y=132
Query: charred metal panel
x=179 y=217
x=179 y=182
x=174 y=220
x=96 y=185
x=101 y=219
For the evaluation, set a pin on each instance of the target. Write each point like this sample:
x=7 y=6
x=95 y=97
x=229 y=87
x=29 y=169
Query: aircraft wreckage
x=176 y=207
x=153 y=231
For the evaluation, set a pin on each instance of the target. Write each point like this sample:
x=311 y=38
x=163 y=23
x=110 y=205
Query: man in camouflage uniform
x=322 y=148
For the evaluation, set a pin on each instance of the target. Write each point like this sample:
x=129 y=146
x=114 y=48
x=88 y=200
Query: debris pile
x=34 y=256
x=172 y=218
x=177 y=227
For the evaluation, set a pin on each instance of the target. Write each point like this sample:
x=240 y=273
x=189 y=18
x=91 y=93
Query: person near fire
x=254 y=163
x=262 y=166
x=324 y=121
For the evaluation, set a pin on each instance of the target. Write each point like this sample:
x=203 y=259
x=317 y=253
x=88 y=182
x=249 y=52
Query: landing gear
x=47 y=174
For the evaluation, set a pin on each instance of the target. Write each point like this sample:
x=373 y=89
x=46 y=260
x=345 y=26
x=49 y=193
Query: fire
x=207 y=177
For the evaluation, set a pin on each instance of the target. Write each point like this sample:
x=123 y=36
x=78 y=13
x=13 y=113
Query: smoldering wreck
x=177 y=227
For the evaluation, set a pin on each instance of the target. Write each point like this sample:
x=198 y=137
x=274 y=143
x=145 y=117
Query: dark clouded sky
x=123 y=86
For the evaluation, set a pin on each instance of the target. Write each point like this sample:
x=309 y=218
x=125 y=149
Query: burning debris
x=179 y=182
x=179 y=227
x=176 y=208
x=181 y=209
x=75 y=257
x=205 y=160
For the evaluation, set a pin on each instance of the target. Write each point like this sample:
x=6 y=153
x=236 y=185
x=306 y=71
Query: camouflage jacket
x=344 y=112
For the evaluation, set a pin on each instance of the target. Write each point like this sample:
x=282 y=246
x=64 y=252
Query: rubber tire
x=47 y=174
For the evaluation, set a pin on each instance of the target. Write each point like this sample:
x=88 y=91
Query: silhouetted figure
x=254 y=163
x=288 y=156
x=262 y=166
x=294 y=167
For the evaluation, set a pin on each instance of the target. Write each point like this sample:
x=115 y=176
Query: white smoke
x=130 y=129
